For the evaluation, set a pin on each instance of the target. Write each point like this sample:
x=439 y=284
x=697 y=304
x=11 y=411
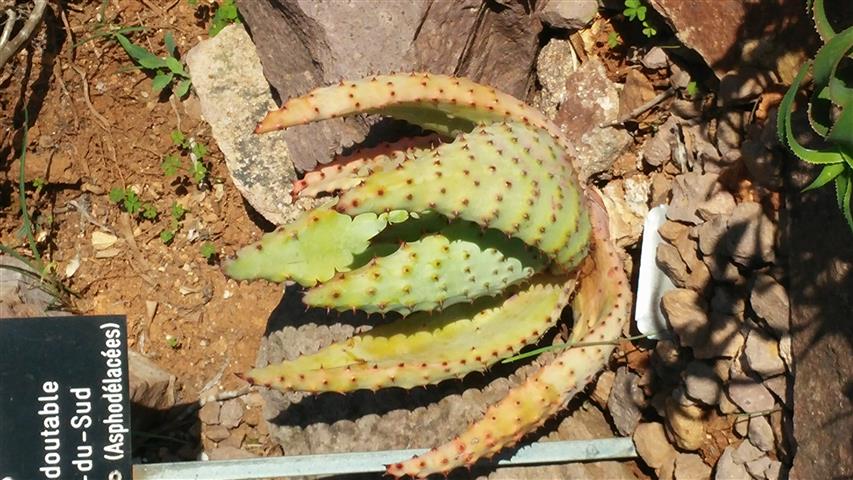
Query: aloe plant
x=477 y=237
x=830 y=111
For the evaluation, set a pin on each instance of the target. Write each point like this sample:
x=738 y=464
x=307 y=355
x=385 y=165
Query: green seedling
x=830 y=111
x=225 y=15
x=173 y=342
x=208 y=251
x=177 y=213
x=168 y=71
x=635 y=11
x=613 y=40
x=692 y=89
x=196 y=151
x=127 y=199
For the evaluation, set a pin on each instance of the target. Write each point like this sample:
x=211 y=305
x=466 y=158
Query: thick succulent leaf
x=426 y=348
x=310 y=250
x=827 y=174
x=437 y=102
x=821 y=21
x=506 y=176
x=459 y=264
x=603 y=305
x=829 y=56
x=786 y=133
x=844 y=195
x=348 y=171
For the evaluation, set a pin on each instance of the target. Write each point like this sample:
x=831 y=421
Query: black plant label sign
x=64 y=405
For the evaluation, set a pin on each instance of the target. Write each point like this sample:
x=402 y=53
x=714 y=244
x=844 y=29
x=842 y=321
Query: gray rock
x=655 y=58
x=721 y=203
x=20 y=293
x=658 y=149
x=685 y=312
x=749 y=394
x=217 y=433
x=728 y=301
x=727 y=469
x=690 y=465
x=592 y=100
x=701 y=383
x=670 y=262
x=762 y=163
x=556 y=61
x=234 y=95
x=773 y=471
x=785 y=345
x=569 y=14
x=761 y=354
x=769 y=301
x=689 y=191
x=742 y=86
x=711 y=236
x=209 y=413
x=761 y=433
x=757 y=467
x=751 y=235
x=722 y=270
x=304 y=44
x=652 y=445
x=746 y=452
x=705 y=153
x=724 y=339
x=730 y=133
x=150 y=385
x=231 y=412
x=228 y=452
x=685 y=422
x=778 y=386
x=726 y=35
x=625 y=401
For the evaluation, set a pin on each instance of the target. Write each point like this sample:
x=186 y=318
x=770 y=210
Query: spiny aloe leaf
x=841 y=133
x=459 y=264
x=602 y=303
x=437 y=102
x=348 y=171
x=827 y=174
x=824 y=28
x=844 y=195
x=786 y=133
x=506 y=176
x=423 y=348
x=310 y=250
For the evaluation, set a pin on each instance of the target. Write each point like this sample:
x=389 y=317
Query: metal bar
x=361 y=462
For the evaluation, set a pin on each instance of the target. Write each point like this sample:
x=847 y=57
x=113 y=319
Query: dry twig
x=9 y=48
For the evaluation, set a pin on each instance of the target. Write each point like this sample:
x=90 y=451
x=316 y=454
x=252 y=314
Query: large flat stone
x=234 y=95
x=304 y=44
x=770 y=33
x=820 y=253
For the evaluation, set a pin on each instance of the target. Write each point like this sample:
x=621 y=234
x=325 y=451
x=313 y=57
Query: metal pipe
x=363 y=462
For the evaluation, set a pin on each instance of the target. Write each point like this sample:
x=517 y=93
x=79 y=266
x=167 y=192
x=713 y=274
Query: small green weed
x=129 y=201
x=168 y=71
x=636 y=12
x=208 y=251
x=197 y=151
x=177 y=212
x=613 y=40
x=692 y=89
x=225 y=15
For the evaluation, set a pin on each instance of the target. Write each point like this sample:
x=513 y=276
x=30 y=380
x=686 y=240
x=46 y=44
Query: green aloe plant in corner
x=830 y=111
